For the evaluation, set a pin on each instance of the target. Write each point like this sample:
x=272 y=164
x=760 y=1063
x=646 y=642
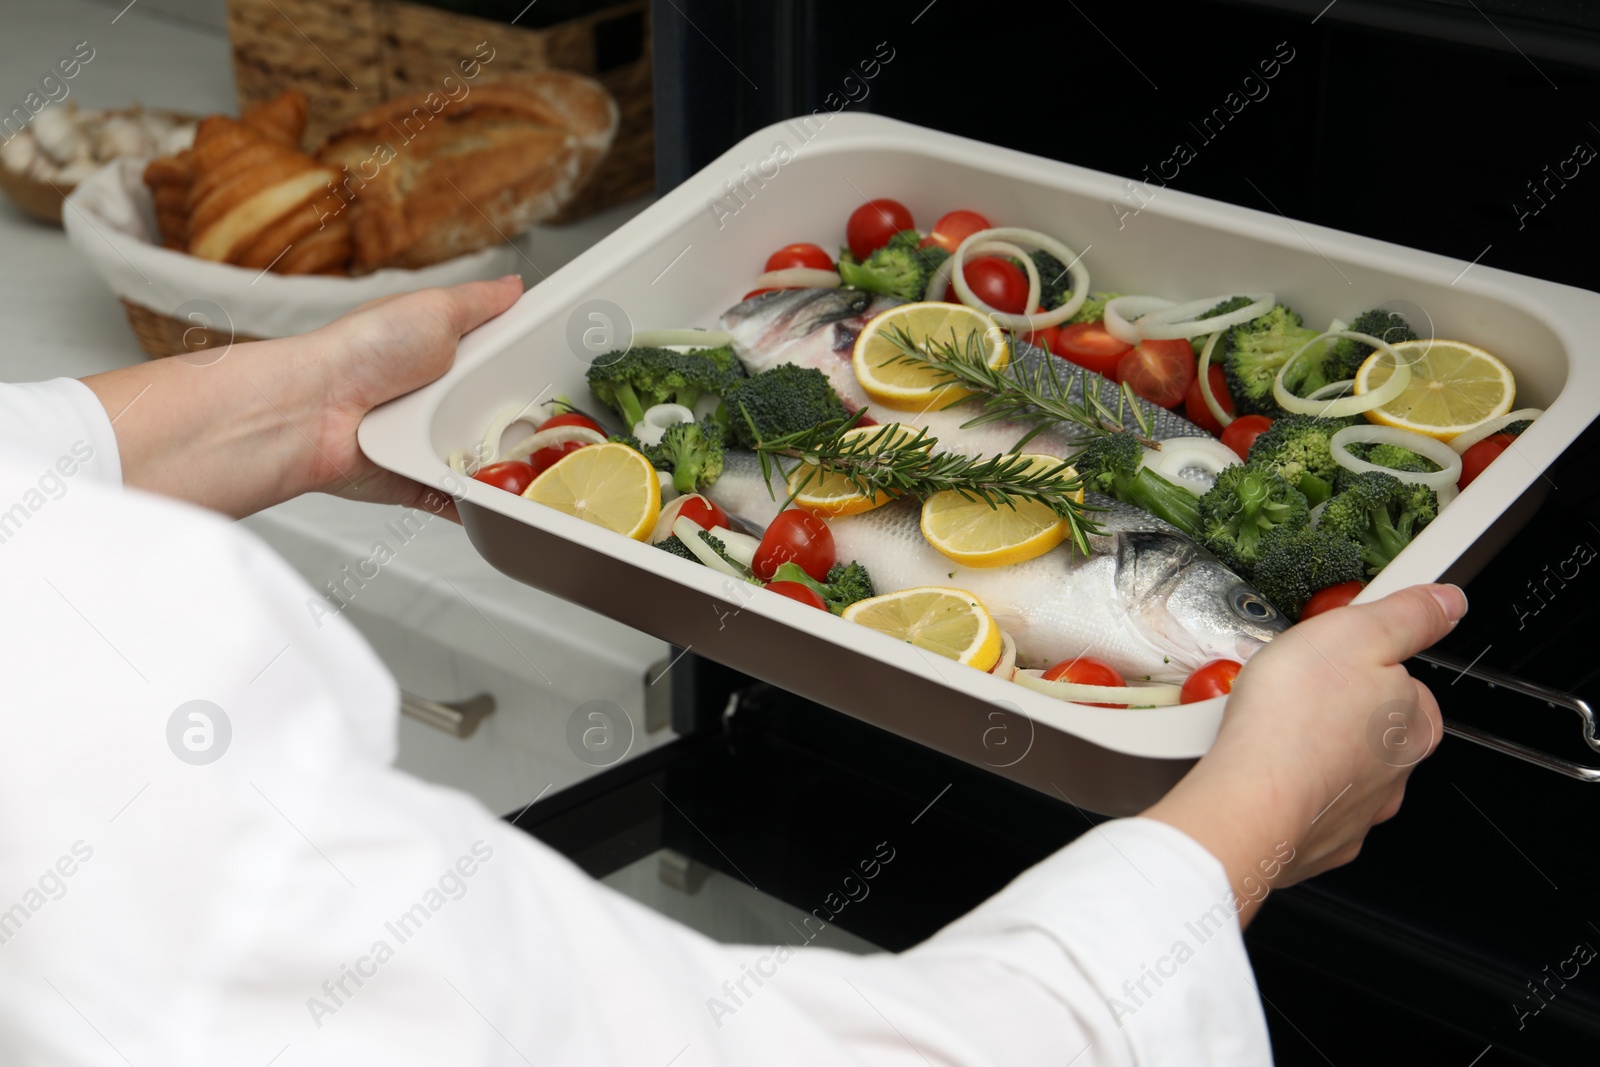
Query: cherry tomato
x=873 y=223
x=1194 y=405
x=1480 y=455
x=866 y=420
x=800 y=255
x=1213 y=679
x=1242 y=432
x=1159 y=371
x=571 y=418
x=953 y=228
x=998 y=282
x=1335 y=596
x=755 y=292
x=1086 y=670
x=702 y=512
x=796 y=591
x=545 y=458
x=1045 y=338
x=513 y=475
x=799 y=537
x=1089 y=345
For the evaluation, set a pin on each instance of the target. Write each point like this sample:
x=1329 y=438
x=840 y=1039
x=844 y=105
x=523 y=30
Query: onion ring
x=1169 y=324
x=1008 y=657
x=1073 y=692
x=556 y=435
x=1427 y=447
x=1345 y=405
x=1045 y=243
x=1180 y=453
x=1463 y=441
x=798 y=278
x=1212 y=404
x=989 y=248
x=1118 y=310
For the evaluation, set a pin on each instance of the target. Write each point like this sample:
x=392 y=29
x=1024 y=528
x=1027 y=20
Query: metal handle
x=459 y=719
x=1552 y=698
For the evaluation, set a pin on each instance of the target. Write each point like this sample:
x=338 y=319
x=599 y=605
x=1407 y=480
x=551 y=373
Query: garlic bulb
x=19 y=153
x=64 y=146
x=120 y=135
x=58 y=133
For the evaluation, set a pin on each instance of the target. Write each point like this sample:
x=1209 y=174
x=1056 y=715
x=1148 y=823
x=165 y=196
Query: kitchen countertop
x=59 y=319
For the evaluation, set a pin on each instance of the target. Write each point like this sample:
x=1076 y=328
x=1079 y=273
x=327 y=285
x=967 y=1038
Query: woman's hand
x=267 y=421
x=1321 y=732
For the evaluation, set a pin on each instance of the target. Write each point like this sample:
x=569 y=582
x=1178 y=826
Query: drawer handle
x=458 y=719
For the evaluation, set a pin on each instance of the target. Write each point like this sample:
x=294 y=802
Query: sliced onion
x=1008 y=657
x=656 y=420
x=939 y=281
x=688 y=532
x=1212 y=405
x=1333 y=389
x=1463 y=441
x=1426 y=447
x=1044 y=242
x=1122 y=310
x=1447 y=494
x=798 y=278
x=686 y=338
x=741 y=546
x=1178 y=454
x=669 y=490
x=556 y=435
x=1171 y=323
x=989 y=248
x=1157 y=695
x=1316 y=513
x=1345 y=405
x=489 y=449
x=669 y=514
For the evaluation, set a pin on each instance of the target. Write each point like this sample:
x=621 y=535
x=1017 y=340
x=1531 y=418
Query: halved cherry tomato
x=953 y=228
x=1480 y=455
x=702 y=512
x=1086 y=670
x=1334 y=596
x=545 y=458
x=873 y=223
x=1242 y=432
x=1159 y=371
x=1045 y=338
x=1213 y=679
x=998 y=282
x=571 y=418
x=796 y=536
x=796 y=591
x=802 y=254
x=1089 y=345
x=512 y=475
x=756 y=292
x=1194 y=405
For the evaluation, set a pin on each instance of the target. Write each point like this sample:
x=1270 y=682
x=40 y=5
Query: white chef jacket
x=299 y=901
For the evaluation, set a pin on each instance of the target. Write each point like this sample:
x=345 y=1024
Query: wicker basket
x=162 y=335
x=349 y=55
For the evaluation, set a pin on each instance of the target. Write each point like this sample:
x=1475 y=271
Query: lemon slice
x=1454 y=386
x=830 y=493
x=949 y=622
x=973 y=534
x=610 y=485
x=909 y=386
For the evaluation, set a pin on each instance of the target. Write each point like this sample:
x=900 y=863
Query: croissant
x=429 y=177
x=283 y=118
x=259 y=203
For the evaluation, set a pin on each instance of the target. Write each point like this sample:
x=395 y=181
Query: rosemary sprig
x=1016 y=392
x=902 y=461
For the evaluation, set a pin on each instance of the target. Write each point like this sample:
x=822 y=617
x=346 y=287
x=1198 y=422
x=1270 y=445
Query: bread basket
x=178 y=304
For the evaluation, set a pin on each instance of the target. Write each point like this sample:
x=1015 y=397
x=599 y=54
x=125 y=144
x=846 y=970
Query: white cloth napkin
x=110 y=219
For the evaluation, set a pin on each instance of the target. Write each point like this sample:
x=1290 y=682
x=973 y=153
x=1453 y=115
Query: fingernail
x=511 y=278
x=1451 y=599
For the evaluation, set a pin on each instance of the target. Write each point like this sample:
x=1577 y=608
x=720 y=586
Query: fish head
x=1189 y=605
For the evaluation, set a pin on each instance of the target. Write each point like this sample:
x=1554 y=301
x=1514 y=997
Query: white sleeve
x=295 y=900
x=59 y=425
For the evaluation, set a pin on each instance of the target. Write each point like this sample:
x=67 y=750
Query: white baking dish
x=687 y=258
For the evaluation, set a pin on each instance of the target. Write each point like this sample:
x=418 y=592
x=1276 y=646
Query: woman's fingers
x=475 y=303
x=1394 y=629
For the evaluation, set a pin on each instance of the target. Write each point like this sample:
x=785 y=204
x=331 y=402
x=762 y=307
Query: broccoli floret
x=631 y=381
x=1233 y=303
x=783 y=400
x=1251 y=354
x=1516 y=429
x=1245 y=503
x=1381 y=514
x=1296 y=561
x=1295 y=447
x=693 y=452
x=676 y=546
x=900 y=268
x=1346 y=356
x=1093 y=308
x=1055 y=284
x=846 y=584
x=1392 y=456
x=1112 y=465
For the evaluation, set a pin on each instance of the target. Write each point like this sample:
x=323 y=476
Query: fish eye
x=1249 y=605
